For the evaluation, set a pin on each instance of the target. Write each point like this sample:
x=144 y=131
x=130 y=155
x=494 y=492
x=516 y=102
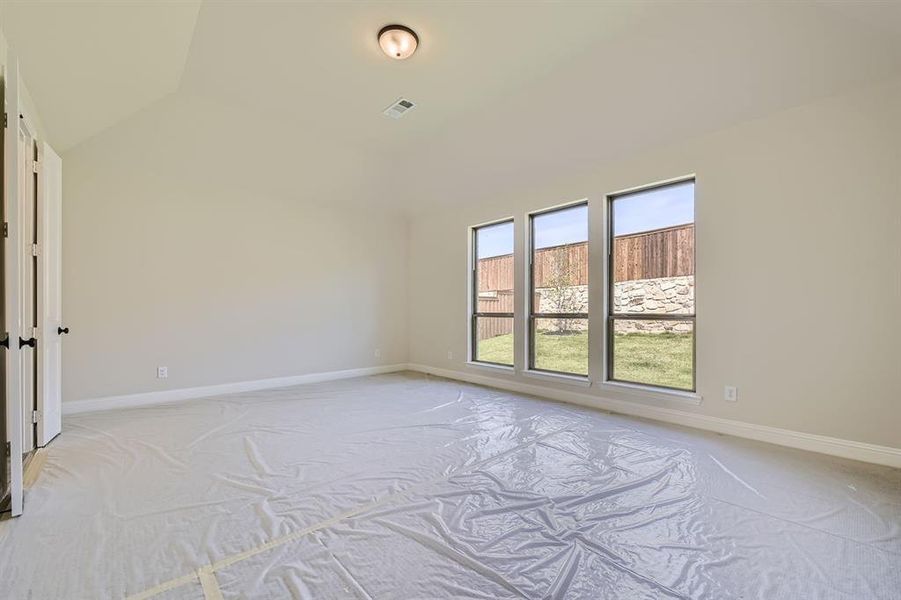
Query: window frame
x=531 y=315
x=474 y=313
x=612 y=316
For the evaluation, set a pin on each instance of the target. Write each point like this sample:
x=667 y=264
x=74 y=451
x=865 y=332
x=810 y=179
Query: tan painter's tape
x=34 y=468
x=164 y=587
x=280 y=541
x=209 y=584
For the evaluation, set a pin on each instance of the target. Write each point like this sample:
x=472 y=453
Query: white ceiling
x=507 y=92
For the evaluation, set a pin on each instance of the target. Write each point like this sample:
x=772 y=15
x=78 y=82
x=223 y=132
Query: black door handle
x=29 y=342
x=62 y=330
x=5 y=341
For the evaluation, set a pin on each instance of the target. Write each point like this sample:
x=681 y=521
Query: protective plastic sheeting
x=405 y=486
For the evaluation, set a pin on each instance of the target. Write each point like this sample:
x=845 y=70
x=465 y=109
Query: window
x=492 y=294
x=558 y=295
x=651 y=295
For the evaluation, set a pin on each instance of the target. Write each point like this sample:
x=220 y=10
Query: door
x=28 y=282
x=50 y=328
x=12 y=300
x=4 y=349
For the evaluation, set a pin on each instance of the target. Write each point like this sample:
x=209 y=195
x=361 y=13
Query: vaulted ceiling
x=91 y=64
x=505 y=90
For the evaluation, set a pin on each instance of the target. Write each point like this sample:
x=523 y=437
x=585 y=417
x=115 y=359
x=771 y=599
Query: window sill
x=558 y=377
x=647 y=392
x=490 y=366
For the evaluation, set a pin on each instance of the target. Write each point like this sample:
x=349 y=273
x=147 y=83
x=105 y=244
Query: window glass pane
x=654 y=352
x=494 y=340
x=561 y=345
x=494 y=267
x=654 y=250
x=560 y=261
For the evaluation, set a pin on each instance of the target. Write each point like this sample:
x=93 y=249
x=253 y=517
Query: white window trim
x=490 y=366
x=470 y=293
x=646 y=391
x=565 y=378
x=526 y=301
x=650 y=392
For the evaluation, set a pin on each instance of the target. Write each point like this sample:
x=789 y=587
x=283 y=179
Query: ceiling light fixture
x=397 y=41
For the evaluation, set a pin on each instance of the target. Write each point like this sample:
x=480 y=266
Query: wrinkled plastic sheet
x=409 y=486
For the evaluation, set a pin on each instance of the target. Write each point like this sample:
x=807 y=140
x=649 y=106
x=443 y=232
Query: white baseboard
x=871 y=453
x=177 y=395
x=883 y=455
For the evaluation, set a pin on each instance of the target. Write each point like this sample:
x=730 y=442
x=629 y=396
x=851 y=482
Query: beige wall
x=172 y=257
x=806 y=202
x=175 y=256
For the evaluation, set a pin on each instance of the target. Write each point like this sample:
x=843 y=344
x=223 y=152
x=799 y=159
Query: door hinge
x=5 y=121
x=35 y=416
x=6 y=230
x=35 y=250
x=35 y=166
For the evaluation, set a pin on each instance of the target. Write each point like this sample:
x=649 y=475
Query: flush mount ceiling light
x=397 y=41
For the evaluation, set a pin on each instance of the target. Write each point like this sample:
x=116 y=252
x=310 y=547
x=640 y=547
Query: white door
x=12 y=256
x=50 y=328
x=27 y=282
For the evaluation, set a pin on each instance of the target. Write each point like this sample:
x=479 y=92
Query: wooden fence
x=496 y=273
x=495 y=301
x=648 y=255
x=666 y=252
x=561 y=265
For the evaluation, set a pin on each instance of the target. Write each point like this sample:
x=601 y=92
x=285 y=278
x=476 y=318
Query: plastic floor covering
x=405 y=486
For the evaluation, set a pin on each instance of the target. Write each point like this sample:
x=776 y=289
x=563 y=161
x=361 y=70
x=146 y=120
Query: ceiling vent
x=401 y=107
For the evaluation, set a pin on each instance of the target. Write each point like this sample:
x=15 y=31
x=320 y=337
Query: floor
x=408 y=486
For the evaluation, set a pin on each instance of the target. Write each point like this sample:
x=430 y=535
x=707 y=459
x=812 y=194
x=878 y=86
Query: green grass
x=655 y=359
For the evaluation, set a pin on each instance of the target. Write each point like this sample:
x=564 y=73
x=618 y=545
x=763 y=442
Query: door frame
x=12 y=266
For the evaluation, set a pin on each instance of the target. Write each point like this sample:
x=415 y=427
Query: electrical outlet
x=450 y=355
x=730 y=393
x=378 y=352
x=162 y=372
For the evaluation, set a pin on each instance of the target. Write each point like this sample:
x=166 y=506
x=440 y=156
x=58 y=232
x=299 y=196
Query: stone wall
x=667 y=295
x=569 y=299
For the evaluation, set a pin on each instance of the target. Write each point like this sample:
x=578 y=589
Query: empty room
x=420 y=300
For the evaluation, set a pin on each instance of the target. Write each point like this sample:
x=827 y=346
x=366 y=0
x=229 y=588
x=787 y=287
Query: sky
x=641 y=211
x=567 y=226
x=654 y=209
x=495 y=240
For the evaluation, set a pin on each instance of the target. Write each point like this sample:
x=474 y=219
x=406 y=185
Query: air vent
x=399 y=108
